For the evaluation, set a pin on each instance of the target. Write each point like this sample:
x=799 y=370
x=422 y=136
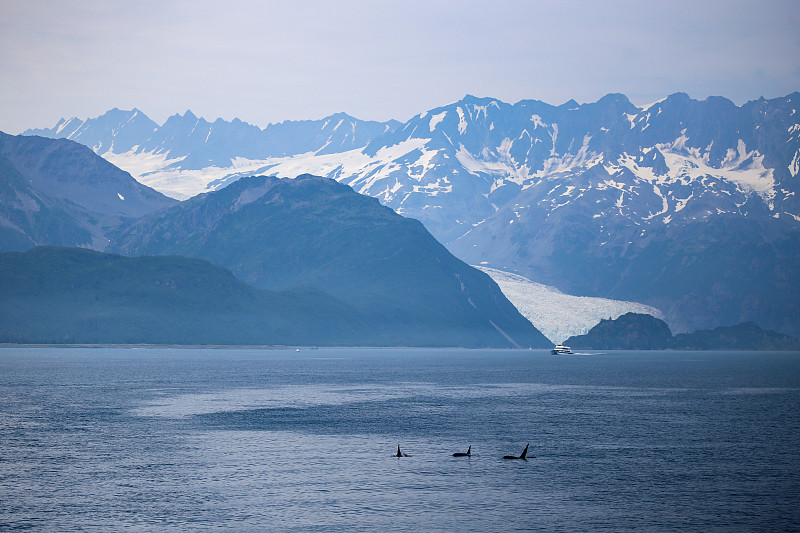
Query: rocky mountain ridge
x=59 y=193
x=159 y=155
x=665 y=156
x=689 y=206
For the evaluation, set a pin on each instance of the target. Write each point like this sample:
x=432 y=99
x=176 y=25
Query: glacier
x=556 y=314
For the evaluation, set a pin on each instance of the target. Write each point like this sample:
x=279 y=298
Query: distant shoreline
x=252 y=346
x=311 y=348
x=213 y=346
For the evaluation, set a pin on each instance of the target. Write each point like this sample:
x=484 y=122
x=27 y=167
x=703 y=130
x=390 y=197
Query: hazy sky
x=266 y=61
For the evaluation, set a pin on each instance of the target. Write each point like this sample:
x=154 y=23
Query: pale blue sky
x=270 y=61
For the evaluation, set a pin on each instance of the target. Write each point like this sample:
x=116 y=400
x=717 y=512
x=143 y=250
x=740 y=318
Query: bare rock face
x=58 y=192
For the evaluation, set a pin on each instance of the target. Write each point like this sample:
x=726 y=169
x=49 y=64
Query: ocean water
x=120 y=439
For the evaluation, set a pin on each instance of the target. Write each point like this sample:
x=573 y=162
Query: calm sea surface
x=110 y=439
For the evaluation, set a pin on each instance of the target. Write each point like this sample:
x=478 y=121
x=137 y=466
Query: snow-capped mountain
x=689 y=206
x=184 y=155
x=456 y=166
x=115 y=131
x=60 y=193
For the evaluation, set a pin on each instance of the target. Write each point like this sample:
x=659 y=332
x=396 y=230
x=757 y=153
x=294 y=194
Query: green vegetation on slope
x=74 y=295
x=70 y=295
x=309 y=231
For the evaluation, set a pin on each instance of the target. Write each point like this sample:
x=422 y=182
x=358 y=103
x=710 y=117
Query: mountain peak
x=340 y=114
x=316 y=232
x=615 y=98
x=478 y=100
x=679 y=97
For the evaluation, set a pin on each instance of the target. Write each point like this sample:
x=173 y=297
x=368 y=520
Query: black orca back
x=462 y=454
x=523 y=456
x=524 y=452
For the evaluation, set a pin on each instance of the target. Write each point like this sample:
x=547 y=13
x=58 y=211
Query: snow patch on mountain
x=436 y=119
x=158 y=171
x=142 y=163
x=476 y=166
x=320 y=165
x=361 y=171
x=648 y=106
x=537 y=121
x=462 y=121
x=741 y=166
x=557 y=315
x=501 y=163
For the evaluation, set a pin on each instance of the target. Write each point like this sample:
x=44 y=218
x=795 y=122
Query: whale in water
x=399 y=453
x=462 y=454
x=523 y=456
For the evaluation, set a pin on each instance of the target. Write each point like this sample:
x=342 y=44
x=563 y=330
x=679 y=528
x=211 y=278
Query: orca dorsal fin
x=398 y=451
x=469 y=450
x=524 y=452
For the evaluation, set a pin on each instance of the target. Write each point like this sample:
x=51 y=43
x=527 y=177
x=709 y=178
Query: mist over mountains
x=689 y=206
x=316 y=262
x=186 y=142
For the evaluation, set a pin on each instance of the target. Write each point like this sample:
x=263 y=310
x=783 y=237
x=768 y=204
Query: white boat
x=561 y=349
